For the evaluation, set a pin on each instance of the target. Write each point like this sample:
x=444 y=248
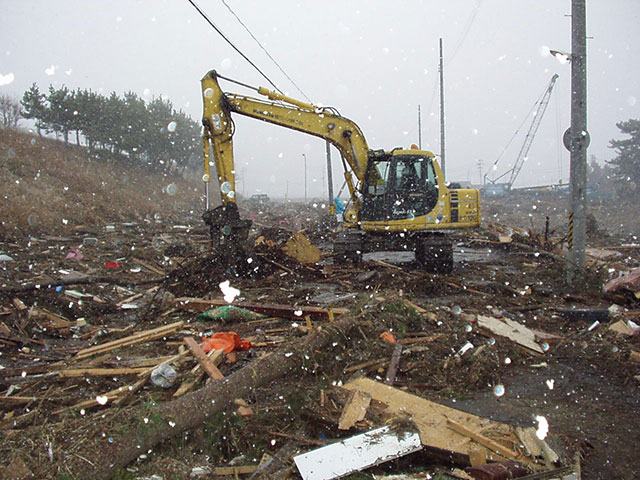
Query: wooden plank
x=481 y=439
x=429 y=417
x=528 y=438
x=354 y=409
x=393 y=365
x=198 y=373
x=274 y=310
x=371 y=363
x=512 y=330
x=15 y=400
x=239 y=470
x=417 y=308
x=31 y=370
x=202 y=359
x=110 y=396
x=139 y=337
x=148 y=266
x=128 y=299
x=99 y=372
x=427 y=338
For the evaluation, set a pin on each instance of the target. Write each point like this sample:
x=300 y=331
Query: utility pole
x=419 y=128
x=329 y=173
x=442 y=157
x=480 y=163
x=576 y=140
x=305 y=177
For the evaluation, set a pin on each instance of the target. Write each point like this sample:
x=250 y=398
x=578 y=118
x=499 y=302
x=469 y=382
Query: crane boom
x=533 y=129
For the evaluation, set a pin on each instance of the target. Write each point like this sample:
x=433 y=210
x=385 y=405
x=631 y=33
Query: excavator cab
x=399 y=187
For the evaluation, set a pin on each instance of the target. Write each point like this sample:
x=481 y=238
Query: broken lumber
x=170 y=419
x=202 y=358
x=139 y=337
x=512 y=330
x=430 y=418
x=393 y=366
x=15 y=400
x=99 y=372
x=215 y=356
x=273 y=310
x=239 y=470
x=481 y=439
x=354 y=409
x=148 y=267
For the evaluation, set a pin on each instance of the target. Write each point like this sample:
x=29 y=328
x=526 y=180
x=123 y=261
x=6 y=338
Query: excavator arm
x=281 y=110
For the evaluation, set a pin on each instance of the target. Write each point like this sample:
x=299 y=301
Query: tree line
x=152 y=132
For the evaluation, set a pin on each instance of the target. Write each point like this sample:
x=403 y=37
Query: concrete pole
x=442 y=157
x=419 y=128
x=577 y=141
x=329 y=173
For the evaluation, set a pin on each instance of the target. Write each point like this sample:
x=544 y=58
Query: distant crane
x=539 y=108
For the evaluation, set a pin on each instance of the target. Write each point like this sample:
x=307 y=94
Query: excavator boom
x=281 y=110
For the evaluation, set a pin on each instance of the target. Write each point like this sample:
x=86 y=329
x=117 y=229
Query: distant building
x=260 y=198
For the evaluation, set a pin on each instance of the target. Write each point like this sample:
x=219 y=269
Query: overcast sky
x=374 y=60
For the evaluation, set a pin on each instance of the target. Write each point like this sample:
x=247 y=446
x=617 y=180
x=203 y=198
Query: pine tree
x=626 y=164
x=60 y=116
x=33 y=104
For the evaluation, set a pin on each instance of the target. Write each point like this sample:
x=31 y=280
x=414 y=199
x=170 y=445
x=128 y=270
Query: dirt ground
x=65 y=291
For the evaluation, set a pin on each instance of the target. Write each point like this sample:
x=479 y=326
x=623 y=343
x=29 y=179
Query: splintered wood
x=512 y=330
x=202 y=359
x=138 y=337
x=437 y=423
x=354 y=410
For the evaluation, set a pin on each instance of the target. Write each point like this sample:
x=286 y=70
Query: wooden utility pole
x=442 y=157
x=576 y=140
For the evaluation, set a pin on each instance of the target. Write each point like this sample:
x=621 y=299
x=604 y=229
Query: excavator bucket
x=300 y=248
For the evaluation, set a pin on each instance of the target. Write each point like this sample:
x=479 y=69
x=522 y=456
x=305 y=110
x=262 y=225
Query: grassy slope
x=44 y=184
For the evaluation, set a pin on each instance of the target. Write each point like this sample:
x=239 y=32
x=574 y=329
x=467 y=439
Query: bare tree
x=10 y=111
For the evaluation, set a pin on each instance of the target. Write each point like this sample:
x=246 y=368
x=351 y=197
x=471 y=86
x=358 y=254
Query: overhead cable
x=265 y=51
x=465 y=31
x=204 y=15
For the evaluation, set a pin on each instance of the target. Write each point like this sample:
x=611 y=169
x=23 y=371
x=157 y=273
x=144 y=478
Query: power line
x=465 y=31
x=204 y=15
x=265 y=51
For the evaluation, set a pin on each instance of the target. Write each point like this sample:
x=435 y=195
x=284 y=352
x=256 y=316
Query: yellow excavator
x=398 y=199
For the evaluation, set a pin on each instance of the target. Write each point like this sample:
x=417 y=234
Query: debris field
x=132 y=351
